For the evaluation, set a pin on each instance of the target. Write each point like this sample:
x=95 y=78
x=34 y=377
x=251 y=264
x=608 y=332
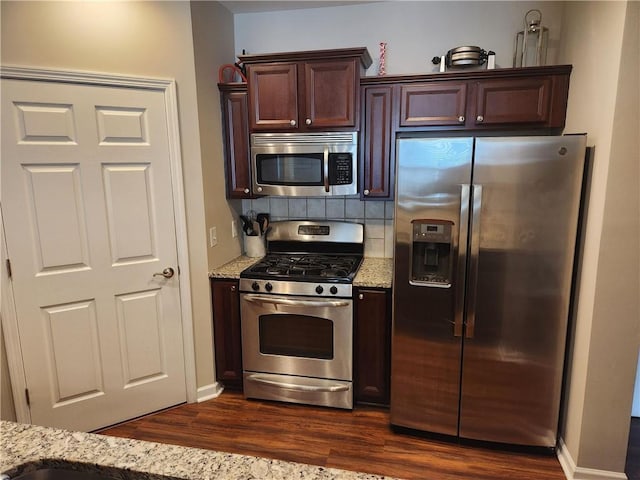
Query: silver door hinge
x=8 y=263
x=26 y=393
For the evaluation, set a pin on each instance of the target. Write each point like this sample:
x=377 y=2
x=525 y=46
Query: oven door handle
x=336 y=387
x=295 y=303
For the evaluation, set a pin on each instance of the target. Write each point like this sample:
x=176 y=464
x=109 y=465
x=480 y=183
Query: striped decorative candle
x=381 y=66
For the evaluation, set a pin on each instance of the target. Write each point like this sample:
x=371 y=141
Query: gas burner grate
x=305 y=266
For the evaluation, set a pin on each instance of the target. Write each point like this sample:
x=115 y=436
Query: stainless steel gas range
x=297 y=314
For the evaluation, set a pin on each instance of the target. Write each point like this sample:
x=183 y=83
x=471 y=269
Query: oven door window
x=290 y=169
x=296 y=336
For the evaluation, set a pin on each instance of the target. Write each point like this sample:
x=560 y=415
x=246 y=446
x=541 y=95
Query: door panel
x=132 y=227
x=88 y=210
x=54 y=205
x=141 y=332
x=72 y=333
x=513 y=361
x=425 y=365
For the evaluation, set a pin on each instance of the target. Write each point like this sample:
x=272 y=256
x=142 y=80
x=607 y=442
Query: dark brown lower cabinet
x=372 y=345
x=226 y=332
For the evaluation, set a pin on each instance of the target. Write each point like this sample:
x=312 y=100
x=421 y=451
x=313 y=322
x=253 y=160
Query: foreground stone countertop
x=27 y=447
x=373 y=273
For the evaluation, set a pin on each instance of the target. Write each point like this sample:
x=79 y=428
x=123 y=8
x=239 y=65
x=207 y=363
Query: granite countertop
x=26 y=448
x=373 y=273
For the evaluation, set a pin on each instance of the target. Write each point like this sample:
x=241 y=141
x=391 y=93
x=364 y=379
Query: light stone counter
x=374 y=272
x=233 y=268
x=26 y=448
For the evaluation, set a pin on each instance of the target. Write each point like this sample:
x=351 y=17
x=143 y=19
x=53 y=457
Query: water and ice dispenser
x=432 y=253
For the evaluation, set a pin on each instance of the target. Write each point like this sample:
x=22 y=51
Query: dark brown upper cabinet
x=235 y=133
x=518 y=101
x=503 y=99
x=377 y=148
x=436 y=103
x=305 y=91
x=528 y=100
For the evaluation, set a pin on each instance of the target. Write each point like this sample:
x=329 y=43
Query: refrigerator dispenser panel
x=432 y=253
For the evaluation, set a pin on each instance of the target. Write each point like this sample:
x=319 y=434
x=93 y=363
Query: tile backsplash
x=377 y=217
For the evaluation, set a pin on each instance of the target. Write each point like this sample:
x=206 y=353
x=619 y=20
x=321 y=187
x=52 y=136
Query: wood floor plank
x=359 y=440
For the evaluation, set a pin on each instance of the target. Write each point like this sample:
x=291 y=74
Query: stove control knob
x=334 y=290
x=268 y=287
x=255 y=286
x=319 y=289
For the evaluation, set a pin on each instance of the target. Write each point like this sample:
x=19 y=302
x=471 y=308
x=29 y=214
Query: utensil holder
x=254 y=246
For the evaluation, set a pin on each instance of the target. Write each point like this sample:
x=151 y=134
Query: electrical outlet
x=213 y=236
x=234 y=229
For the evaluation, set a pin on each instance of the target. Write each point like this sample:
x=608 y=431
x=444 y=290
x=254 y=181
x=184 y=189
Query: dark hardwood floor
x=359 y=440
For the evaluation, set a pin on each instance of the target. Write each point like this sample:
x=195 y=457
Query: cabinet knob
x=361 y=296
x=233 y=288
x=293 y=123
x=246 y=190
x=366 y=192
x=479 y=118
x=308 y=121
x=461 y=118
x=259 y=189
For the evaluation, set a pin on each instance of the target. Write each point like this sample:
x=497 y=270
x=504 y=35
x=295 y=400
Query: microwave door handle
x=326 y=169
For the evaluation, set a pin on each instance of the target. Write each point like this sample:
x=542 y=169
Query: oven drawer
x=298 y=336
x=289 y=388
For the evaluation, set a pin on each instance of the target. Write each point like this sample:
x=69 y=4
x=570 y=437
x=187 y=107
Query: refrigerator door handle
x=463 y=233
x=474 y=252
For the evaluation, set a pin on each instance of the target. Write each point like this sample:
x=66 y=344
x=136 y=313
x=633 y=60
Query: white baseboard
x=208 y=392
x=573 y=472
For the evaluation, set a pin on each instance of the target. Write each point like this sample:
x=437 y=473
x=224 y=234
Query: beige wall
x=601 y=40
x=213 y=46
x=151 y=39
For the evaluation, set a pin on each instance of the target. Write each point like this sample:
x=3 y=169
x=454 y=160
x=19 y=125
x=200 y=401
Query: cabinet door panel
x=273 y=96
x=525 y=100
x=433 y=104
x=226 y=330
x=372 y=346
x=377 y=165
x=330 y=97
x=236 y=138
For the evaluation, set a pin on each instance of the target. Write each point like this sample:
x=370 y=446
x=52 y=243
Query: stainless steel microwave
x=305 y=164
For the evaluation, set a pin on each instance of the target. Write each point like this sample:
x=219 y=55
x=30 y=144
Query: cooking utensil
x=465 y=56
x=263 y=222
x=247 y=225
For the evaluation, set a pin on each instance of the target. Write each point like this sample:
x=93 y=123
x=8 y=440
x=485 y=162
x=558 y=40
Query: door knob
x=166 y=273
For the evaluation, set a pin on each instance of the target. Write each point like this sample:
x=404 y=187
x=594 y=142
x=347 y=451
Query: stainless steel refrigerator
x=485 y=233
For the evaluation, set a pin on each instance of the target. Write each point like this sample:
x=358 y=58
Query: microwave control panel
x=340 y=169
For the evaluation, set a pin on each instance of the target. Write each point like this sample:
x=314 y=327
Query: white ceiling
x=248 y=6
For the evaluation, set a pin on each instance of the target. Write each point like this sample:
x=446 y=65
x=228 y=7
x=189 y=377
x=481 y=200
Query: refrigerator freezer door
x=521 y=281
x=431 y=220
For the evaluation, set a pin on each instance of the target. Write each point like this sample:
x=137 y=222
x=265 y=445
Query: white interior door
x=87 y=205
